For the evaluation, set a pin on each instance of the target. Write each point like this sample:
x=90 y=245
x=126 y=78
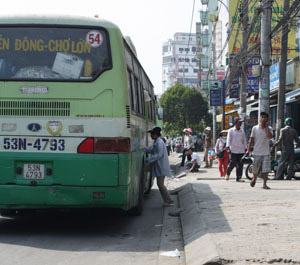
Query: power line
x=188 y=45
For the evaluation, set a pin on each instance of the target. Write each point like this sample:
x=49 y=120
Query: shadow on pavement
x=88 y=230
x=201 y=212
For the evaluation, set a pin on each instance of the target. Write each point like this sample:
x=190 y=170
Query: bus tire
x=138 y=209
x=149 y=187
x=149 y=182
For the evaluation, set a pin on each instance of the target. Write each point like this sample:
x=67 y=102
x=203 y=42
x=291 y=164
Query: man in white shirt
x=260 y=144
x=195 y=163
x=236 y=143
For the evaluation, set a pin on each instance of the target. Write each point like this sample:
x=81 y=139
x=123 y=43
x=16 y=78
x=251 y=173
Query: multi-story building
x=219 y=45
x=209 y=32
x=180 y=64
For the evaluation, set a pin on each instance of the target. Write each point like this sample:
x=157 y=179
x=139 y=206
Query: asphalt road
x=107 y=237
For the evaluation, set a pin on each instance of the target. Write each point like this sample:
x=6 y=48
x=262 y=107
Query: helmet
x=288 y=121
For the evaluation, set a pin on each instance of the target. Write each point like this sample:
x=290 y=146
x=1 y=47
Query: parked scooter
x=296 y=164
x=249 y=168
x=274 y=164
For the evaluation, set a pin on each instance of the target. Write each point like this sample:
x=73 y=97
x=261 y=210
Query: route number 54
x=94 y=38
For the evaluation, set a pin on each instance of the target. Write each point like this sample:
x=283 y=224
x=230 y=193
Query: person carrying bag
x=222 y=153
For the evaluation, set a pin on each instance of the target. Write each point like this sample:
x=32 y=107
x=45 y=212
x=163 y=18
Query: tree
x=184 y=107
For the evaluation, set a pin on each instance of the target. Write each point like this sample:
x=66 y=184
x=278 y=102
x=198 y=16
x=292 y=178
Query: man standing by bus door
x=159 y=163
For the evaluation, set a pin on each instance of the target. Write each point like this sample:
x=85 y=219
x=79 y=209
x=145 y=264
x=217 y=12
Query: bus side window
x=137 y=95
x=142 y=99
x=130 y=88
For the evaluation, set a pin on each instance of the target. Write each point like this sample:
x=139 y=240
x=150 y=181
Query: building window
x=180 y=49
x=165 y=48
x=194 y=49
x=187 y=49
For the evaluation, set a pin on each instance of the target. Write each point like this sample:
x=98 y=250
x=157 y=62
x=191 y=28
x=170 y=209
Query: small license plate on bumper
x=34 y=171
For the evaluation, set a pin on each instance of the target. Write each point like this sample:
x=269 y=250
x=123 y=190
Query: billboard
x=235 y=40
x=216 y=97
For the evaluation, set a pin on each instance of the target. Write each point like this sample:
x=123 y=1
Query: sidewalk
x=230 y=222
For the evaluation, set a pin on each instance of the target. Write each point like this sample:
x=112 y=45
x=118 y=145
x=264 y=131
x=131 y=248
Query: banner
x=254 y=38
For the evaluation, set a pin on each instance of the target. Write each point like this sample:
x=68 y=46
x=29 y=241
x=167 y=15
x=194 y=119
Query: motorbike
x=274 y=165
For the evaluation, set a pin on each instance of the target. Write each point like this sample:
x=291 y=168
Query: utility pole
x=265 y=50
x=282 y=71
x=243 y=87
x=214 y=77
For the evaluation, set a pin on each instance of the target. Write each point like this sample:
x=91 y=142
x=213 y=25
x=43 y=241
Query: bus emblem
x=34 y=127
x=54 y=127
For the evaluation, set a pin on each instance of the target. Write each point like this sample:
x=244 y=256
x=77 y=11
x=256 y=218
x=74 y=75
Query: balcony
x=205 y=84
x=204 y=17
x=205 y=39
x=204 y=61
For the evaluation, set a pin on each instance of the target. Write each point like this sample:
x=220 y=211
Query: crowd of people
x=230 y=149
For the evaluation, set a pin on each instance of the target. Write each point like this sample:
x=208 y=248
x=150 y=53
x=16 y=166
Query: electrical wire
x=292 y=12
x=188 y=45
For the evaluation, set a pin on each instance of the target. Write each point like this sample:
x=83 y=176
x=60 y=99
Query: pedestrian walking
x=168 y=144
x=222 y=153
x=187 y=143
x=195 y=163
x=259 y=144
x=173 y=144
x=236 y=144
x=207 y=145
x=288 y=135
x=159 y=163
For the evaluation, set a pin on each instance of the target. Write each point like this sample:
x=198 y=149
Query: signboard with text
x=216 y=97
x=252 y=79
x=235 y=39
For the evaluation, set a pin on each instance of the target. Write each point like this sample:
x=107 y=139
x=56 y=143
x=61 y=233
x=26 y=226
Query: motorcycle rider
x=286 y=140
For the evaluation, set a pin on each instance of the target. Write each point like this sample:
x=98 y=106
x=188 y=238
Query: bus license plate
x=34 y=171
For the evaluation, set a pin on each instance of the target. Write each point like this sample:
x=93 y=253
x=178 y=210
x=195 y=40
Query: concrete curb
x=198 y=244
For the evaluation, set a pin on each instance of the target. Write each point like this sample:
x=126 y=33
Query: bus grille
x=34 y=108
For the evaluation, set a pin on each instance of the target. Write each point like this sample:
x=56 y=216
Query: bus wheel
x=148 y=182
x=138 y=209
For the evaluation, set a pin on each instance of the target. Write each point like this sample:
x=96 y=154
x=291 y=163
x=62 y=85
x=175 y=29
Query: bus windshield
x=53 y=53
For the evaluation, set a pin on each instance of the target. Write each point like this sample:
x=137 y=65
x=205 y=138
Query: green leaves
x=184 y=107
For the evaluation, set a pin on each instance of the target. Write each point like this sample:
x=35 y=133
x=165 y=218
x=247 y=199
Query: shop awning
x=292 y=96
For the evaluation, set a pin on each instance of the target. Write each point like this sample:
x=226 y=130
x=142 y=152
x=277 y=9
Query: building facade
x=179 y=61
x=209 y=36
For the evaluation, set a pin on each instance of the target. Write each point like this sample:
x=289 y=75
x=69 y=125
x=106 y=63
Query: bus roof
x=56 y=20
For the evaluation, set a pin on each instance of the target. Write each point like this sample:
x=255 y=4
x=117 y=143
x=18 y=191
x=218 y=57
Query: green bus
x=75 y=107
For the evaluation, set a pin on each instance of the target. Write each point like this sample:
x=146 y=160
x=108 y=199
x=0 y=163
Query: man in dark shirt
x=286 y=140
